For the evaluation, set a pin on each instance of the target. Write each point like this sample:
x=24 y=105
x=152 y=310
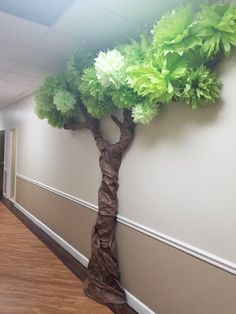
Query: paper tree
x=174 y=64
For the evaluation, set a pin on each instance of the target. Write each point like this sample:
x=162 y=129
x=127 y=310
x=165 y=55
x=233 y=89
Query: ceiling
x=36 y=42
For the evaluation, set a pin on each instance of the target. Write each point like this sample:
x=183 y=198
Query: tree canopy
x=174 y=63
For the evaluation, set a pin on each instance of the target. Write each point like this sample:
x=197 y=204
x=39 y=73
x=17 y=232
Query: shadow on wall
x=175 y=120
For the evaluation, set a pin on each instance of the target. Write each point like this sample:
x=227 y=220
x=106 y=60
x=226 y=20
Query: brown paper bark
x=103 y=281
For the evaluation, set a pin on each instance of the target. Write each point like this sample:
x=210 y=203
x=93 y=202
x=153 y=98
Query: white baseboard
x=5 y=195
x=136 y=304
x=76 y=254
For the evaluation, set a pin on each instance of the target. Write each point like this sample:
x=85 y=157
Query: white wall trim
x=183 y=246
x=180 y=245
x=58 y=192
x=136 y=304
x=5 y=195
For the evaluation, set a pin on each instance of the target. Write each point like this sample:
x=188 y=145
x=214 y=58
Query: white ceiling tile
x=138 y=11
x=10 y=90
x=62 y=43
x=6 y=64
x=45 y=59
x=39 y=11
x=2 y=74
x=18 y=30
x=10 y=50
x=23 y=79
x=24 y=68
x=132 y=35
x=93 y=23
x=24 y=93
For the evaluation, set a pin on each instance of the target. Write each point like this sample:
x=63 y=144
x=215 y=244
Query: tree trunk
x=103 y=283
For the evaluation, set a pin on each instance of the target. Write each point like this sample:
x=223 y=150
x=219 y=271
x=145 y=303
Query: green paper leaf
x=217 y=28
x=173 y=26
x=200 y=88
x=144 y=112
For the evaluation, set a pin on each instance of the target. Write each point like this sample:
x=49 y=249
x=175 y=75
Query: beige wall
x=63 y=160
x=178 y=177
x=166 y=279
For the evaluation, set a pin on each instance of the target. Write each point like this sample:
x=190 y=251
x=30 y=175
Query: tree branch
x=94 y=127
x=95 y=130
x=128 y=119
x=127 y=131
x=116 y=121
x=214 y=62
x=75 y=126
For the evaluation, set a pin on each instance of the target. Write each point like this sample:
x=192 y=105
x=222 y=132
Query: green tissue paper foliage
x=75 y=67
x=144 y=112
x=217 y=29
x=135 y=52
x=96 y=99
x=146 y=80
x=201 y=87
x=173 y=26
x=170 y=64
x=44 y=95
x=125 y=97
x=64 y=101
x=172 y=33
x=54 y=102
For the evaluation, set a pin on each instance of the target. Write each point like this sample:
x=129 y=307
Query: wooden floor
x=32 y=279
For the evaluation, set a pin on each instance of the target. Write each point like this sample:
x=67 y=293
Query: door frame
x=11 y=163
x=3 y=133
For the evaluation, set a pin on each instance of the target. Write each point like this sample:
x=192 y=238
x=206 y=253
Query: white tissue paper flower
x=109 y=68
x=144 y=113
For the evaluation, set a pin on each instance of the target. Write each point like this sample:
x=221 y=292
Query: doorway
x=2 y=148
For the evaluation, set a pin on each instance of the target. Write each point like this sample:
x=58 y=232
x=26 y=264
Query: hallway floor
x=32 y=279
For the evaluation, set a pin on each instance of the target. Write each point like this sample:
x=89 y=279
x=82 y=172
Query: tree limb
x=94 y=127
x=116 y=121
x=126 y=132
x=128 y=119
x=95 y=130
x=75 y=126
x=213 y=63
